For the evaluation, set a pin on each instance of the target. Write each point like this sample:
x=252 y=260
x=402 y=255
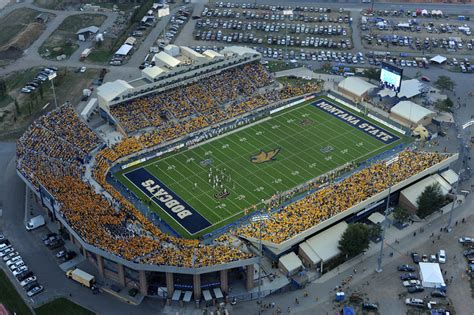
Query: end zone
x=182 y=213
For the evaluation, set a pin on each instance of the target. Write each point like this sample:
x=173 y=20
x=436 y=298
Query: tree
x=430 y=200
x=372 y=73
x=326 y=67
x=3 y=88
x=401 y=214
x=375 y=231
x=444 y=105
x=355 y=239
x=444 y=83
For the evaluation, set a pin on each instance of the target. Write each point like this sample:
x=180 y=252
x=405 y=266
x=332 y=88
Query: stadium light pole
x=461 y=158
x=260 y=218
x=50 y=78
x=384 y=223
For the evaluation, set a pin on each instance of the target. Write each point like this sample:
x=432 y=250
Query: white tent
x=290 y=263
x=163 y=59
x=431 y=276
x=438 y=59
x=152 y=72
x=355 y=86
x=376 y=218
x=111 y=90
x=124 y=50
x=409 y=112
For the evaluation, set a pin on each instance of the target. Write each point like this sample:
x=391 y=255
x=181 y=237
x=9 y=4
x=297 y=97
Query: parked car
x=370 y=306
x=35 y=290
x=441 y=256
x=415 y=302
x=61 y=254
x=10 y=256
x=24 y=275
x=415 y=257
x=20 y=270
x=406 y=268
x=6 y=251
x=415 y=289
x=468 y=252
x=408 y=276
x=438 y=293
x=466 y=240
x=28 y=281
x=69 y=255
x=411 y=283
x=13 y=260
x=56 y=244
x=16 y=265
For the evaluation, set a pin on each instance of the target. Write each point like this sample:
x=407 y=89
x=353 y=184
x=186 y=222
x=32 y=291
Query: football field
x=200 y=189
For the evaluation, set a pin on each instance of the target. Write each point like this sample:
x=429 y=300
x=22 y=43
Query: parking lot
x=392 y=295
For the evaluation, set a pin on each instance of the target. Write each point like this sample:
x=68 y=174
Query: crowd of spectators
x=334 y=199
x=45 y=146
x=52 y=153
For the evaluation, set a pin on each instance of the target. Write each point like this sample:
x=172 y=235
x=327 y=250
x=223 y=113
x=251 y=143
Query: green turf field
x=304 y=142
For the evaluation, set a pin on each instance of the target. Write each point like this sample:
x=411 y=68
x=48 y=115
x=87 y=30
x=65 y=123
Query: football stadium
x=199 y=164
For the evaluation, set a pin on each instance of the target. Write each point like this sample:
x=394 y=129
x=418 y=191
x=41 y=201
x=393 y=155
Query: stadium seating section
x=53 y=152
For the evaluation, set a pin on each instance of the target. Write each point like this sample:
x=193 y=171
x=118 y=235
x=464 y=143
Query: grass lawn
x=62 y=306
x=68 y=87
x=275 y=66
x=15 y=22
x=298 y=145
x=63 y=39
x=10 y=297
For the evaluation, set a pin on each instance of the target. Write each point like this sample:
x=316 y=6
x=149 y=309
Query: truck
x=86 y=52
x=82 y=277
x=35 y=223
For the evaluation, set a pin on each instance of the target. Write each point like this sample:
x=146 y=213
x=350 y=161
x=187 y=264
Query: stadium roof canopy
x=124 y=50
x=152 y=72
x=411 y=111
x=376 y=218
x=326 y=243
x=166 y=60
x=450 y=176
x=414 y=191
x=356 y=86
x=212 y=54
x=111 y=90
x=290 y=262
x=408 y=89
x=238 y=50
x=438 y=59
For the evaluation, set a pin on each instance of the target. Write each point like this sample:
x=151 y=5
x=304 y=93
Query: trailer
x=82 y=277
x=85 y=53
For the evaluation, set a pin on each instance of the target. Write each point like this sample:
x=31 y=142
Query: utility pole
x=384 y=223
x=260 y=218
x=50 y=78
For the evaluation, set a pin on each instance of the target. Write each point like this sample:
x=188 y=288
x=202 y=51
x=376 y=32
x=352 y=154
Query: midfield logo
x=263 y=156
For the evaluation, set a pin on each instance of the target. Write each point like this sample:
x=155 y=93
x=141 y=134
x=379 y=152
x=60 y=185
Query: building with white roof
x=410 y=114
x=355 y=88
x=165 y=60
x=151 y=73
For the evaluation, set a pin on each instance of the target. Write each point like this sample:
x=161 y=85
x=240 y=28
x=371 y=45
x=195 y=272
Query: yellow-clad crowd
x=50 y=155
x=329 y=201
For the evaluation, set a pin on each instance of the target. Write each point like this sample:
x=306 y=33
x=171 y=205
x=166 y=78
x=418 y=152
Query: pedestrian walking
x=414 y=234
